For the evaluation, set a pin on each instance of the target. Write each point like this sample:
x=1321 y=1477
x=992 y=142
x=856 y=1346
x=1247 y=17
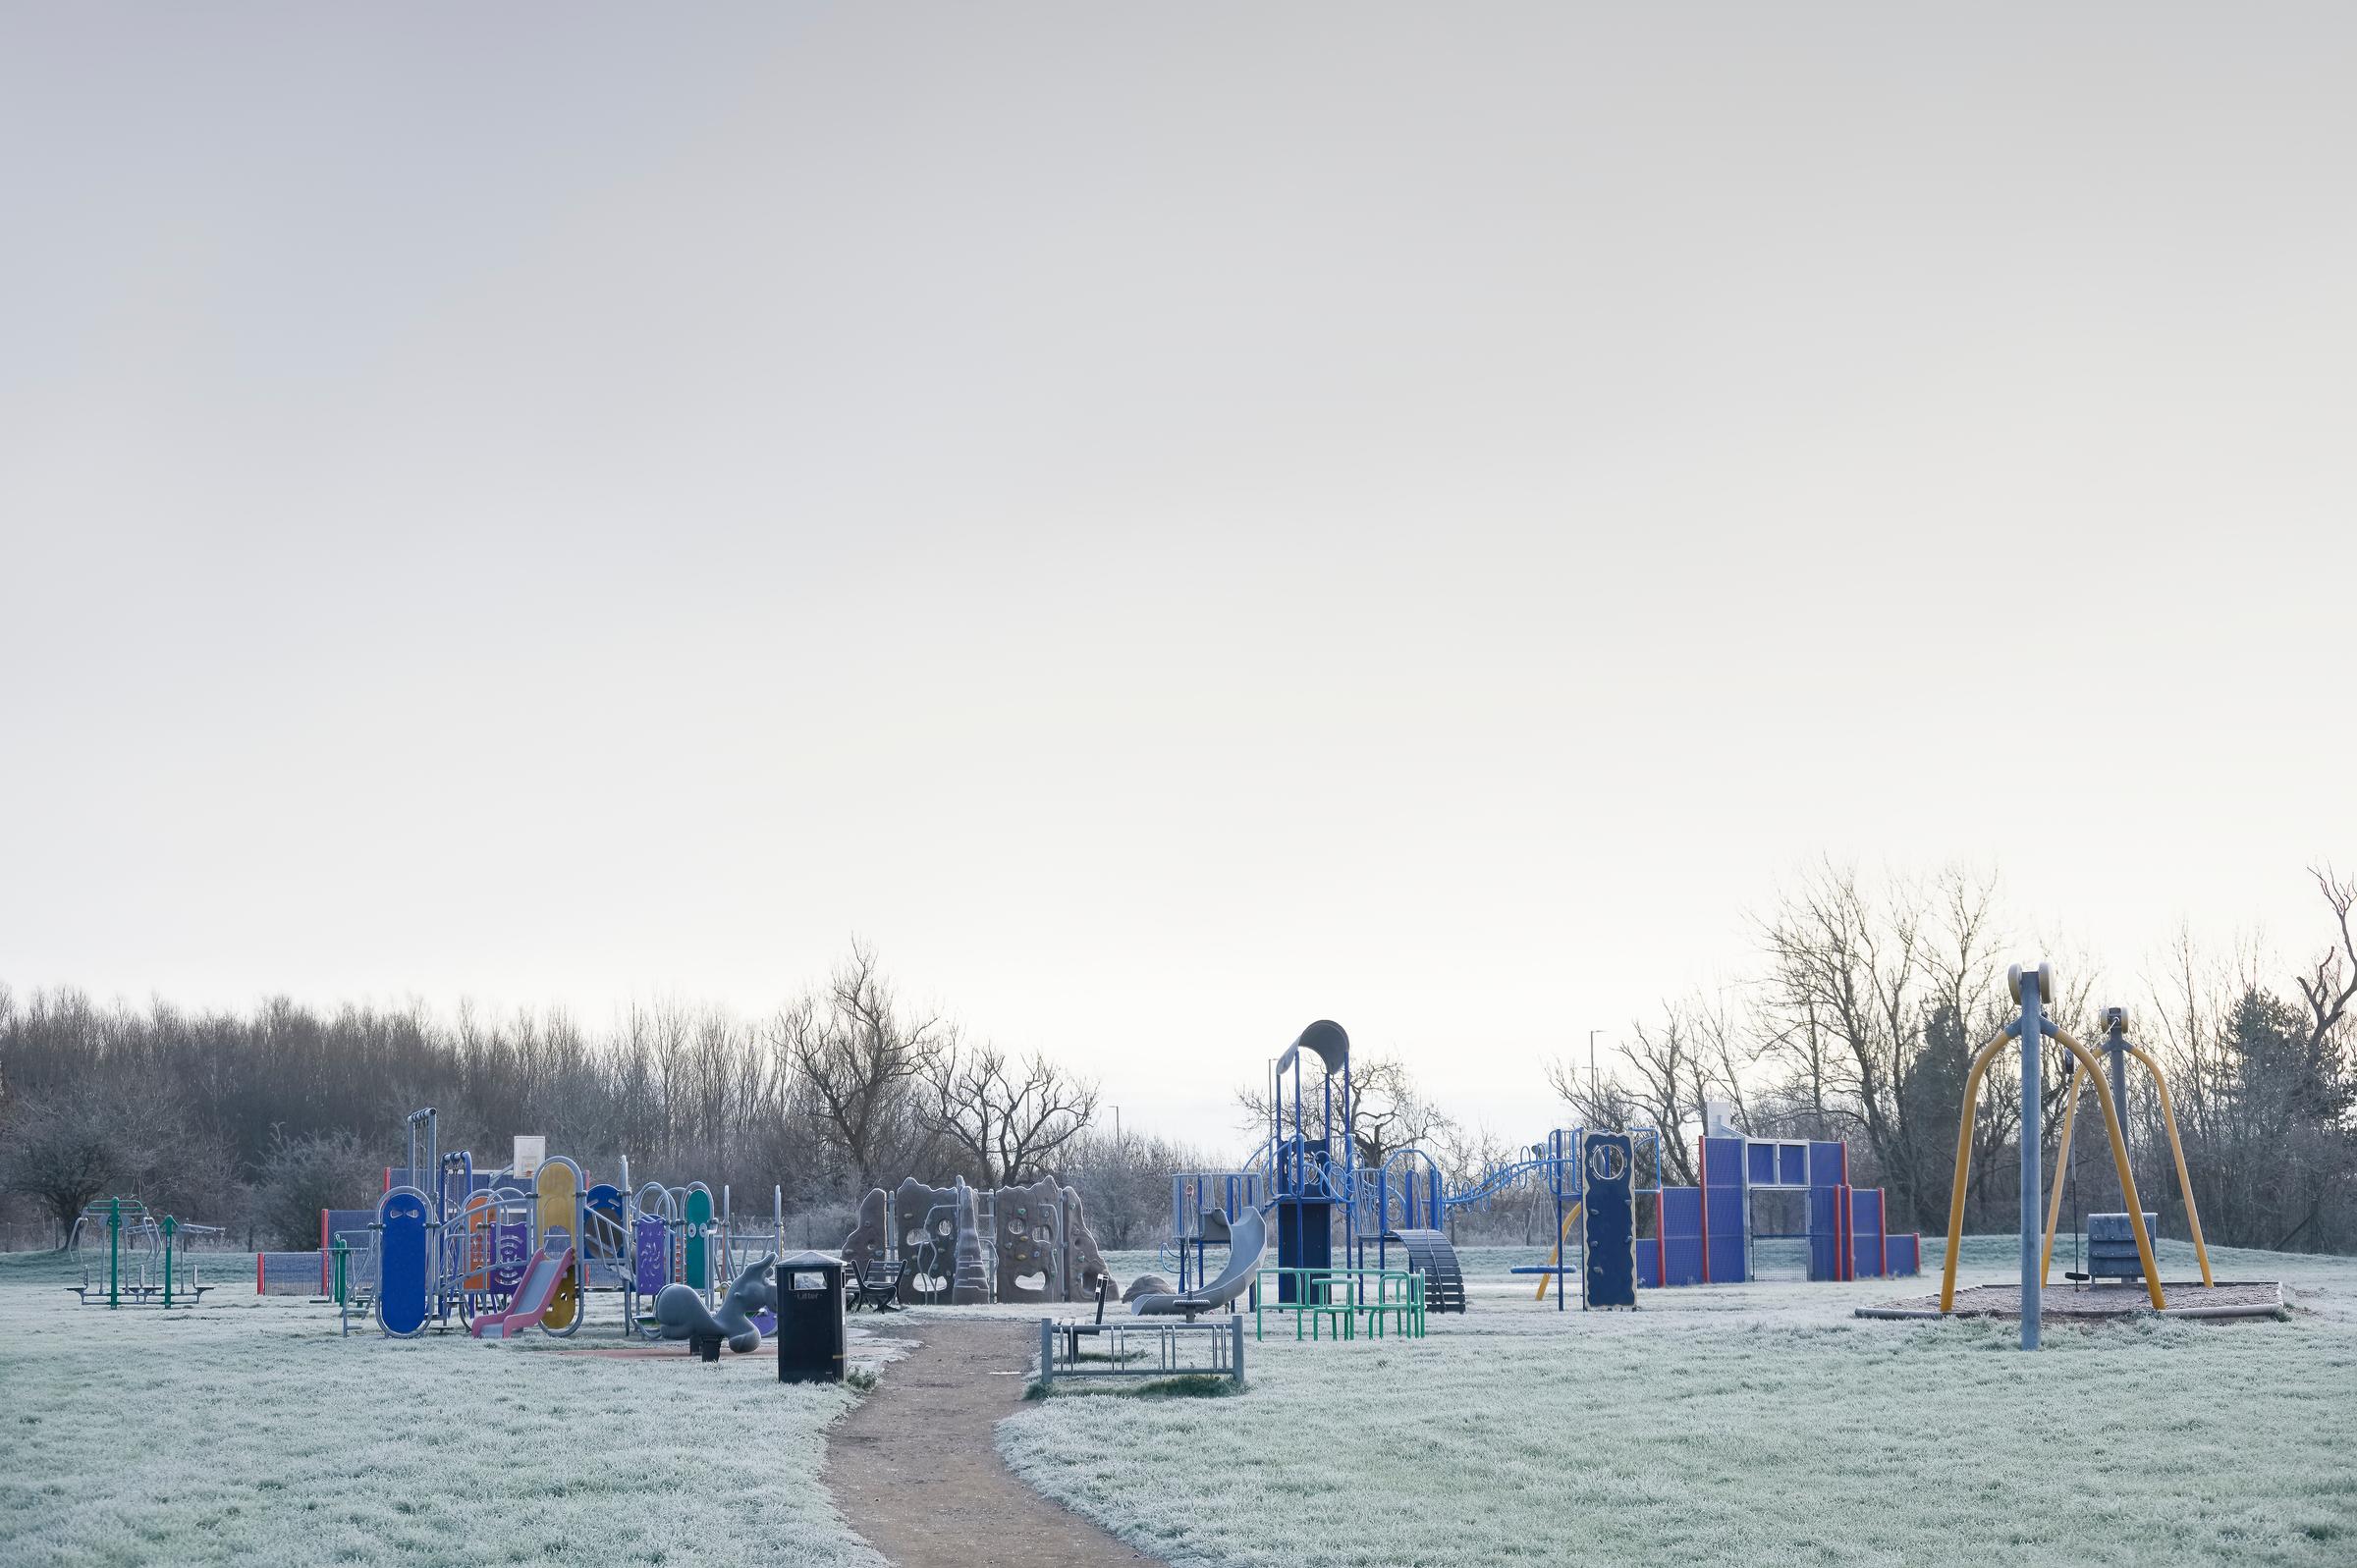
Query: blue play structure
x=1309 y=1151
x=1307 y=1177
x=1707 y=1234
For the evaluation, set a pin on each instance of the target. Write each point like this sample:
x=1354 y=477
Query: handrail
x=1407 y=1307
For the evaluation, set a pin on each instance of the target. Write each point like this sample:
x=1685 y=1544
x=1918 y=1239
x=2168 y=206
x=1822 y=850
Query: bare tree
x=1007 y=1117
x=61 y=1152
x=1596 y=1101
x=1871 y=1007
x=1125 y=1177
x=2330 y=983
x=1390 y=1110
x=1670 y=1062
x=1393 y=1113
x=859 y=1055
x=69 y=1147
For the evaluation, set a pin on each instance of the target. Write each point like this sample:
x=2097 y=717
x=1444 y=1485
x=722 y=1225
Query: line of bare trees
x=261 y=1119
x=1872 y=1000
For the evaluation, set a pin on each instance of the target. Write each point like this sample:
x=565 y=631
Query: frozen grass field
x=1759 y=1423
x=250 y=1433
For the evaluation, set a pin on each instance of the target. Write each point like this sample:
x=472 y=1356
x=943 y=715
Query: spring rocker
x=2032 y=987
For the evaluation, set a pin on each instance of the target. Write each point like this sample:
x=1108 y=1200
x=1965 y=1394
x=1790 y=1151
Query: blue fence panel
x=1866 y=1232
x=1824 y=1233
x=1829 y=1166
x=1725 y=1204
x=1905 y=1253
x=1681 y=1235
x=1729 y=1263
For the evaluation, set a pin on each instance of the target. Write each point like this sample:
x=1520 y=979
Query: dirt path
x=917 y=1471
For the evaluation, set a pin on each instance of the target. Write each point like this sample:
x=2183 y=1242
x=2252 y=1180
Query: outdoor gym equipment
x=146 y=1241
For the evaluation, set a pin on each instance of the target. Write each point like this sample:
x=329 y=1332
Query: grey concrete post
x=2116 y=1042
x=2033 y=1086
x=1047 y=1351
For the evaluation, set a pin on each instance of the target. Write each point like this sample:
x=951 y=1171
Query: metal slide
x=1248 y=1240
x=535 y=1295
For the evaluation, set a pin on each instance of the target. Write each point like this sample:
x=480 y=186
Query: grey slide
x=1247 y=1239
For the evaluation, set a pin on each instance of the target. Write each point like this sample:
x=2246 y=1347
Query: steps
x=1430 y=1254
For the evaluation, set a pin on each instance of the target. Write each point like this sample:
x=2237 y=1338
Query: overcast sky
x=1172 y=522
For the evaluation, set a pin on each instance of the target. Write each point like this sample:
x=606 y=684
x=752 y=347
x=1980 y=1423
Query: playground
x=1754 y=1369
x=1760 y=1421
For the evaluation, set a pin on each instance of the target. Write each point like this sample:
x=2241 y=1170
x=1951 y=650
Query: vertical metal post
x=2032 y=1171
x=1047 y=1351
x=114 y=1252
x=2116 y=1042
x=170 y=1225
x=2116 y=1045
x=1235 y=1349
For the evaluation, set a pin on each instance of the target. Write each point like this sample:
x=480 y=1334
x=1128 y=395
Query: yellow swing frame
x=2089 y=1066
x=2176 y=1148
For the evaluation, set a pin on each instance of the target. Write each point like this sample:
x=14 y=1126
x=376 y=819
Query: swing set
x=2031 y=989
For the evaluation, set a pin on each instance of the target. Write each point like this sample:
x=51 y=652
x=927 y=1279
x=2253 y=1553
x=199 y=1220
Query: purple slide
x=539 y=1289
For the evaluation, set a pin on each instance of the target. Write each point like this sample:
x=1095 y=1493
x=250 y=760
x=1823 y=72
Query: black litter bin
x=810 y=1319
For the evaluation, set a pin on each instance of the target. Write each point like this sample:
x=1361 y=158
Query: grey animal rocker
x=681 y=1309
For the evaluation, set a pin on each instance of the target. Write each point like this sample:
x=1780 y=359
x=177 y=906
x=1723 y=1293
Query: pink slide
x=533 y=1293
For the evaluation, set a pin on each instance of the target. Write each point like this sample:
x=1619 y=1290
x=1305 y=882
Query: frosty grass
x=1756 y=1423
x=248 y=1433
